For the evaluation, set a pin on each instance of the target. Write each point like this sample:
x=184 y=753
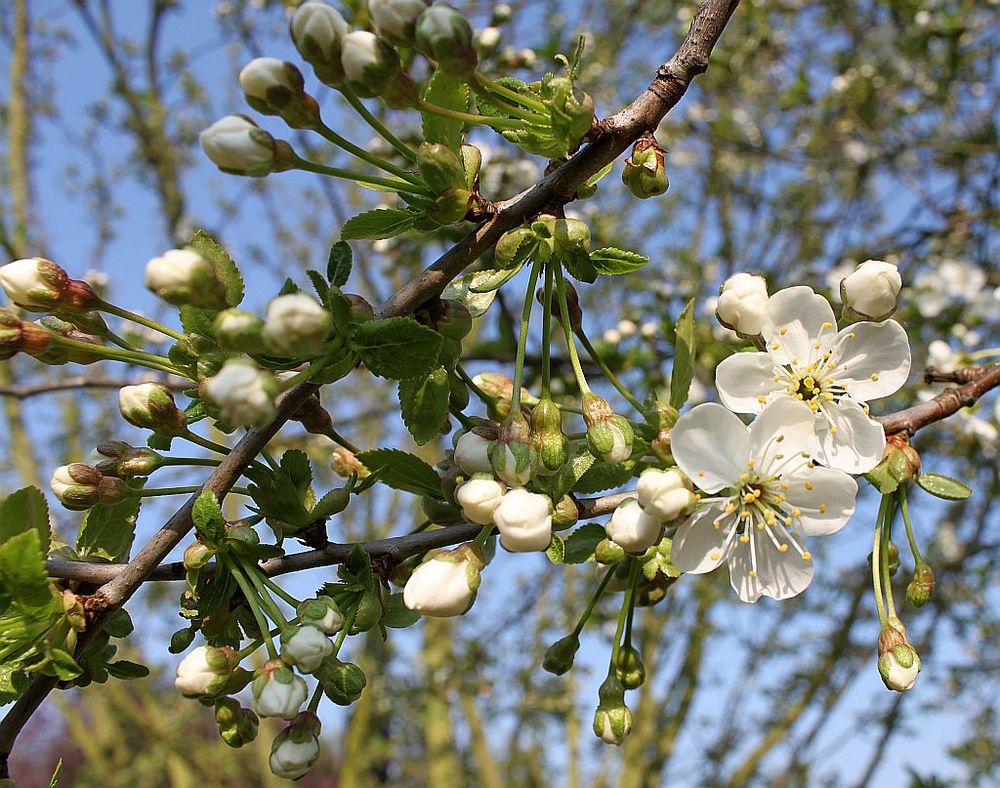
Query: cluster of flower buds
x=39 y=285
x=237 y=725
x=238 y=146
x=126 y=461
x=870 y=291
x=79 y=487
x=241 y=394
x=183 y=277
x=645 y=172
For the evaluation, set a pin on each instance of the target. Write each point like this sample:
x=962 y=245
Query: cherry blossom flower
x=834 y=373
x=770 y=495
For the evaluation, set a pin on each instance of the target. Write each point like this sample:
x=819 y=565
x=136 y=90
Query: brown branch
x=25 y=390
x=945 y=404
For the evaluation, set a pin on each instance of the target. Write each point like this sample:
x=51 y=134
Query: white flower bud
x=479 y=498
x=472 y=453
x=151 y=406
x=663 y=494
x=243 y=393
x=742 y=304
x=489 y=38
x=33 y=283
x=79 y=486
x=182 y=277
x=633 y=529
x=270 y=82
x=395 y=20
x=321 y=612
x=370 y=64
x=205 y=671
x=238 y=330
x=870 y=291
x=524 y=520
x=446 y=584
x=305 y=647
x=444 y=35
x=899 y=667
x=295 y=325
x=317 y=30
x=277 y=691
x=237 y=145
x=296 y=748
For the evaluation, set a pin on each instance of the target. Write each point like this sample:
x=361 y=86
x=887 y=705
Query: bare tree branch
x=945 y=404
x=25 y=390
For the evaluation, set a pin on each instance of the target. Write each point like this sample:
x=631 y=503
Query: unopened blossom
x=742 y=304
x=296 y=748
x=238 y=146
x=278 y=691
x=183 y=277
x=524 y=520
x=472 y=453
x=664 y=495
x=33 y=283
x=834 y=373
x=236 y=329
x=446 y=584
x=870 y=291
x=205 y=671
x=479 y=499
x=243 y=393
x=317 y=30
x=445 y=36
x=396 y=20
x=898 y=662
x=268 y=83
x=633 y=529
x=305 y=647
x=79 y=487
x=295 y=324
x=767 y=495
x=370 y=64
x=322 y=612
x=151 y=406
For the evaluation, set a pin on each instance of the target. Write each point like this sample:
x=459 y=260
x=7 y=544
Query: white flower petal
x=784 y=428
x=744 y=377
x=801 y=314
x=875 y=362
x=711 y=445
x=778 y=575
x=698 y=544
x=853 y=442
x=824 y=498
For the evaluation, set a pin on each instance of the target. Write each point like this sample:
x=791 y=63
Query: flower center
x=813 y=382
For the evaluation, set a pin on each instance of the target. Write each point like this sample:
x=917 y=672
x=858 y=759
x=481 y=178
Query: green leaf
x=289 y=287
x=556 y=551
x=612 y=262
x=334 y=502
x=214 y=591
x=380 y=223
x=338 y=266
x=22 y=572
x=944 y=486
x=424 y=404
x=604 y=476
x=124 y=669
x=683 y=369
x=580 y=544
x=319 y=285
x=198 y=321
x=403 y=471
x=452 y=93
x=108 y=530
x=24 y=510
x=225 y=267
x=491 y=280
x=578 y=265
x=594 y=179
x=119 y=624
x=397 y=348
x=207 y=515
x=397 y=615
x=461 y=290
x=65 y=667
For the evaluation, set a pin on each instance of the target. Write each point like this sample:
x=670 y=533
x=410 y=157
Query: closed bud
x=370 y=64
x=515 y=246
x=900 y=459
x=151 y=406
x=472 y=453
x=920 y=589
x=237 y=726
x=445 y=36
x=238 y=146
x=343 y=682
x=629 y=668
x=39 y=285
x=236 y=329
x=396 y=20
x=321 y=612
x=318 y=31
x=632 y=528
x=197 y=554
x=571 y=118
x=546 y=433
x=869 y=293
x=205 y=671
x=500 y=386
x=609 y=552
x=645 y=172
x=898 y=662
x=242 y=393
x=660 y=445
x=345 y=464
x=295 y=325
x=19 y=336
x=182 y=277
x=296 y=748
x=472 y=160
x=570 y=233
x=742 y=304
x=79 y=487
x=566 y=513
x=524 y=520
x=609 y=436
x=125 y=461
x=277 y=691
x=515 y=459
x=450 y=206
x=446 y=584
x=440 y=167
x=560 y=655
x=613 y=719
x=305 y=647
x=664 y=495
x=276 y=87
x=479 y=499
